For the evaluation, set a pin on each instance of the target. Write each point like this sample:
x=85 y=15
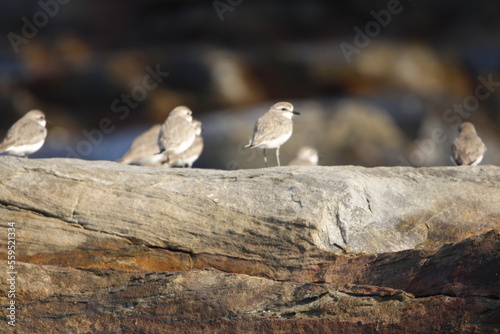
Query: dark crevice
x=490 y=297
x=398 y=296
x=33 y=210
x=60 y=316
x=311 y=299
x=167 y=248
x=368 y=202
x=343 y=249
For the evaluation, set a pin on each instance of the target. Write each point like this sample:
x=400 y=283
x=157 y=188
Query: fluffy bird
x=177 y=133
x=273 y=129
x=144 y=149
x=192 y=153
x=26 y=136
x=467 y=148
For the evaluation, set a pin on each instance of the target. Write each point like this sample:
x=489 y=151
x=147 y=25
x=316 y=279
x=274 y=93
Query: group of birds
x=175 y=143
x=178 y=141
x=180 y=147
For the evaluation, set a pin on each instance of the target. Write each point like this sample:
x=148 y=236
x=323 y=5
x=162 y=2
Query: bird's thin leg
x=278 y=155
x=265 y=158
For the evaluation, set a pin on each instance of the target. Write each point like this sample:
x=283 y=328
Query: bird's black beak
x=48 y=122
x=295 y=113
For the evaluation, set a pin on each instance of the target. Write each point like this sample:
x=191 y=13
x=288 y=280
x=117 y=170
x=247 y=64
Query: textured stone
x=62 y=300
x=102 y=247
x=339 y=209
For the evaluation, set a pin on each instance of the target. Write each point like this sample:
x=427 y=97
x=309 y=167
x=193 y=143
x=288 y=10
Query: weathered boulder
x=330 y=248
x=66 y=300
x=296 y=209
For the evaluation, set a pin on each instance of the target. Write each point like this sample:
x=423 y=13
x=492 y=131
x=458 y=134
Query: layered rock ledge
x=101 y=246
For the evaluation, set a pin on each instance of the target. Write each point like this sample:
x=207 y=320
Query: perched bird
x=144 y=149
x=306 y=156
x=467 y=148
x=177 y=133
x=192 y=153
x=273 y=129
x=26 y=136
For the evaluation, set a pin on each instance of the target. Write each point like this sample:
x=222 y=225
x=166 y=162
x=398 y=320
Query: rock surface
x=103 y=247
x=208 y=301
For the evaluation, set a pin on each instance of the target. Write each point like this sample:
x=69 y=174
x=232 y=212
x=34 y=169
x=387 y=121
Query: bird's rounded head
x=467 y=127
x=182 y=111
x=37 y=116
x=285 y=108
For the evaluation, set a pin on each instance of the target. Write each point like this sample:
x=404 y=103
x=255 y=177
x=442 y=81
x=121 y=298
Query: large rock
x=339 y=209
x=65 y=300
x=366 y=249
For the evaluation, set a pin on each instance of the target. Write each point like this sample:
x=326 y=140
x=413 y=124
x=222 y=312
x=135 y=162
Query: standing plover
x=273 y=129
x=144 y=149
x=306 y=156
x=177 y=134
x=26 y=136
x=467 y=148
x=192 y=153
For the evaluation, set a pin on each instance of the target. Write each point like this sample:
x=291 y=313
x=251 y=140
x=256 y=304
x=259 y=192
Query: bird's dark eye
x=284 y=109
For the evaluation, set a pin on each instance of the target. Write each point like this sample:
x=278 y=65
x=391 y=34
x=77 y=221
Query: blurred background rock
x=383 y=105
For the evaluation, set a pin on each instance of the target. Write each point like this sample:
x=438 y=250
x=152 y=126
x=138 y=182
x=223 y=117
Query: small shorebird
x=467 y=148
x=306 y=156
x=273 y=129
x=192 y=153
x=144 y=149
x=177 y=133
x=26 y=136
